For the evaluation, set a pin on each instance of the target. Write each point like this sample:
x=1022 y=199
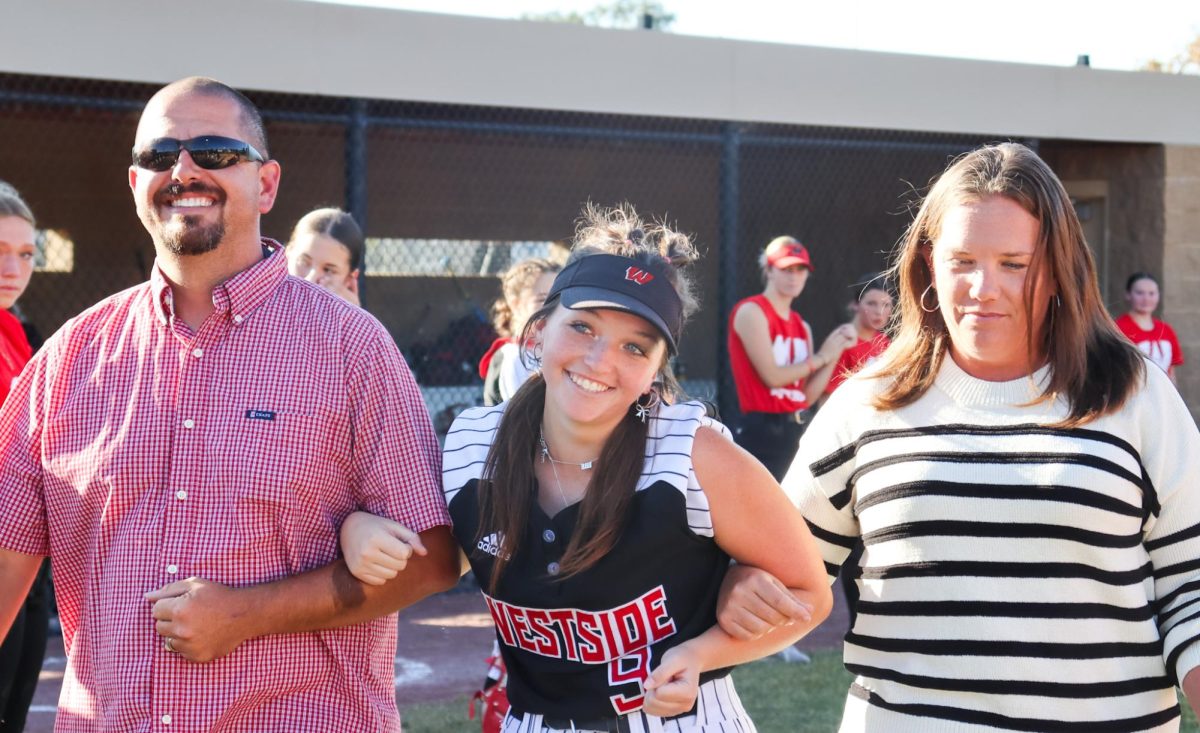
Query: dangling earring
x=1055 y=306
x=535 y=355
x=644 y=404
x=935 y=303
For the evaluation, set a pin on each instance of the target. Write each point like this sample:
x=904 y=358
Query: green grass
x=438 y=717
x=794 y=698
x=780 y=697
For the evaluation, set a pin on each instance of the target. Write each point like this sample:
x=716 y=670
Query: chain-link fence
x=450 y=195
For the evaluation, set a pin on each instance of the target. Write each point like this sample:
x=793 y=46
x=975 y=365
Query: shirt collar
x=236 y=298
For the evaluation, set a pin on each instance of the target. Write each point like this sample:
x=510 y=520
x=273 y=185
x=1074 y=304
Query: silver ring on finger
x=169 y=645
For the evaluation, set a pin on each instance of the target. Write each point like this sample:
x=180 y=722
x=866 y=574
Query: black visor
x=621 y=283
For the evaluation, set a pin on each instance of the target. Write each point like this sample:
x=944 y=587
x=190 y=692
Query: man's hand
x=202 y=620
x=205 y=620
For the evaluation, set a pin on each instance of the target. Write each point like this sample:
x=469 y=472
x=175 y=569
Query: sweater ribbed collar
x=966 y=390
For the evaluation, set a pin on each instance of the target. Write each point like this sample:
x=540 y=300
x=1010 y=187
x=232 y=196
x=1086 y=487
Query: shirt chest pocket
x=272 y=463
x=272 y=517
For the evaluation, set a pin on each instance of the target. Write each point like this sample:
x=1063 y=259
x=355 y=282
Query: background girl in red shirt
x=771 y=356
x=872 y=309
x=23 y=648
x=1156 y=339
x=16 y=267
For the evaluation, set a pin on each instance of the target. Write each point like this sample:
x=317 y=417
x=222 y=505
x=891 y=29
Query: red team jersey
x=14 y=351
x=856 y=357
x=789 y=342
x=1159 y=343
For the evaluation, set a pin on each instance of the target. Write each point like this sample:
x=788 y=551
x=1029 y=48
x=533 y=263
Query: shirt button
x=552 y=568
x=172 y=569
x=197 y=352
x=166 y=719
x=548 y=535
x=181 y=495
x=189 y=423
x=237 y=319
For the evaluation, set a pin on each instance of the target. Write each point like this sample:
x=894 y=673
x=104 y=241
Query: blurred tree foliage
x=616 y=14
x=1187 y=62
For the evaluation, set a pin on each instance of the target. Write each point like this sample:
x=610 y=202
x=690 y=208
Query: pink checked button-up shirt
x=136 y=453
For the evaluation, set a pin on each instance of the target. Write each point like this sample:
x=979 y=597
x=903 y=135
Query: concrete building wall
x=1181 y=262
x=1152 y=222
x=1132 y=178
x=342 y=50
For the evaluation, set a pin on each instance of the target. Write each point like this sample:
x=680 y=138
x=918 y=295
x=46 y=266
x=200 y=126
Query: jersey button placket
x=550 y=553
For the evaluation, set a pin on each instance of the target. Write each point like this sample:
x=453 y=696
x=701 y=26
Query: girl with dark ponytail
x=600 y=513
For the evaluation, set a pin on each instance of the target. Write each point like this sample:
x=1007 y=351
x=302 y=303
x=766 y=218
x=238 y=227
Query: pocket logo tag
x=260 y=415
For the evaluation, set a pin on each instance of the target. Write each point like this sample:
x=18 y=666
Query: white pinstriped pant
x=718 y=710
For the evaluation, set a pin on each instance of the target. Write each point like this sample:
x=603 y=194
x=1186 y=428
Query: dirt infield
x=443 y=642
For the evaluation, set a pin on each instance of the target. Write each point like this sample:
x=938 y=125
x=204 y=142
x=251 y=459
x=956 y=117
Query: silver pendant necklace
x=585 y=466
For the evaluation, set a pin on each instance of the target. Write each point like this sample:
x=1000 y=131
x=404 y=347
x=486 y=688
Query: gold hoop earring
x=922 y=300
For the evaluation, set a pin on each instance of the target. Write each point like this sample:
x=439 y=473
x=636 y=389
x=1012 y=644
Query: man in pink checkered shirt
x=186 y=450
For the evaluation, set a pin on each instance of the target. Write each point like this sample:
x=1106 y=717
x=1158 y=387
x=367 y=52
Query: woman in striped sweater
x=1025 y=487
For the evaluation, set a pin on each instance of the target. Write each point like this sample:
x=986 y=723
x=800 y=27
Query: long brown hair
x=506 y=491
x=1091 y=363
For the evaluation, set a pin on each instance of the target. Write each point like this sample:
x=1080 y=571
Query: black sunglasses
x=210 y=152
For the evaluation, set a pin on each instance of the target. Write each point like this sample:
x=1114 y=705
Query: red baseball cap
x=784 y=252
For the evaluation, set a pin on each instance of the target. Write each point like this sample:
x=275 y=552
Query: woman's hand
x=672 y=687
x=377 y=549
x=752 y=602
x=345 y=288
x=842 y=338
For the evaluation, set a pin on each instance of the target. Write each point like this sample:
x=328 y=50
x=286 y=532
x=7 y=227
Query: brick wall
x=1181 y=263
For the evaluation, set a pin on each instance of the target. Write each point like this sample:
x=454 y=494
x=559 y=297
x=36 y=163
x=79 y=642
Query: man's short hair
x=252 y=121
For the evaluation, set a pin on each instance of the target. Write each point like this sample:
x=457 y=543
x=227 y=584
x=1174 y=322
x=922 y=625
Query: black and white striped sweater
x=1015 y=576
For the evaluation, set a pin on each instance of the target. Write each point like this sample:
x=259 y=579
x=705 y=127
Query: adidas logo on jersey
x=491 y=544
